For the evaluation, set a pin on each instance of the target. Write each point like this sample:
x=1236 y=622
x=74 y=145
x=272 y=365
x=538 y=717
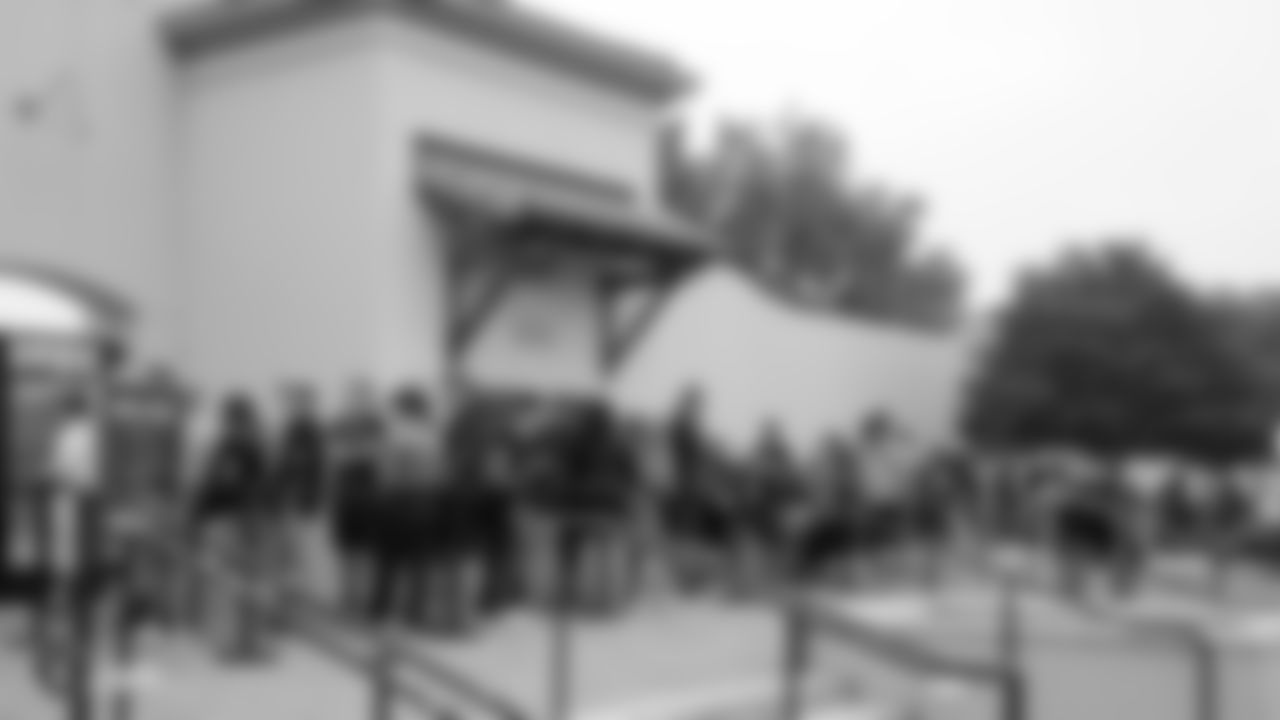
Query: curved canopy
x=30 y=305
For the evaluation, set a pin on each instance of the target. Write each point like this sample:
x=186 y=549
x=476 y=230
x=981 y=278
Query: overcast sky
x=1024 y=122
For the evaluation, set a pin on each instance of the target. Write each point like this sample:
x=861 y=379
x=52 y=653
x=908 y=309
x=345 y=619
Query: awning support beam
x=620 y=338
x=472 y=311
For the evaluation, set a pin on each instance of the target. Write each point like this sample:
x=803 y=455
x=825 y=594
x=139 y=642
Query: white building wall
x=431 y=83
x=86 y=187
x=757 y=360
x=280 y=240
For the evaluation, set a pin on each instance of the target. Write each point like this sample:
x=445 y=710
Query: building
x=262 y=185
x=258 y=193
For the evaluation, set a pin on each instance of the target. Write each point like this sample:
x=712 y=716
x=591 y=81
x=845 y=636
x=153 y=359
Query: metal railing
x=397 y=672
x=808 y=620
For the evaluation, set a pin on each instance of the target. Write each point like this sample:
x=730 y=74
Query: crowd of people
x=401 y=515
x=394 y=513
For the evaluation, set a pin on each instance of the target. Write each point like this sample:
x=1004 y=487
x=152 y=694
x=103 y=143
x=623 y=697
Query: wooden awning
x=535 y=214
x=505 y=218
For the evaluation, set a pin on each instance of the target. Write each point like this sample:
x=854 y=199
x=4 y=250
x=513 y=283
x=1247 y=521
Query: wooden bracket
x=621 y=336
x=478 y=295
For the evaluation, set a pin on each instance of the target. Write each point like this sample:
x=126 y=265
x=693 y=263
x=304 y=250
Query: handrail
x=891 y=646
x=807 y=619
x=428 y=665
x=222 y=572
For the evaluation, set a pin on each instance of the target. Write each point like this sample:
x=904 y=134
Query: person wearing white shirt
x=73 y=476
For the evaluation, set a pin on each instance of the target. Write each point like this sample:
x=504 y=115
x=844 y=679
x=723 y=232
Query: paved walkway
x=668 y=656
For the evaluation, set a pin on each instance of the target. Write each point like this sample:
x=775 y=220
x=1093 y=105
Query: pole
x=382 y=677
x=77 y=609
x=1014 y=700
x=1206 y=683
x=561 y=623
x=798 y=633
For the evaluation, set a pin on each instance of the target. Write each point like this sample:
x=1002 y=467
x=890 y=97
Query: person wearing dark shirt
x=300 y=463
x=419 y=538
x=465 y=509
x=234 y=507
x=769 y=514
x=299 y=478
x=597 y=500
x=696 y=525
x=357 y=478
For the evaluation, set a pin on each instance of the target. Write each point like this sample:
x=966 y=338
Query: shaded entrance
x=509 y=222
x=56 y=331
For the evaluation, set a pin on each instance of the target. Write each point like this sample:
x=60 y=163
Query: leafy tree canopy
x=784 y=202
x=1105 y=350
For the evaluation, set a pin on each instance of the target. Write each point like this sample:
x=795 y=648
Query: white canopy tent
x=29 y=305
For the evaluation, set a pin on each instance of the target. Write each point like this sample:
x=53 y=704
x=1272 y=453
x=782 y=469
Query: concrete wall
x=86 y=186
x=758 y=360
x=278 y=232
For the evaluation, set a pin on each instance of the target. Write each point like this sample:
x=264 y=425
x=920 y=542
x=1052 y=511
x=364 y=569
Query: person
x=233 y=510
x=655 y=474
x=883 y=470
x=469 y=510
x=419 y=538
x=299 y=458
x=695 y=522
x=827 y=545
x=601 y=486
x=770 y=514
x=494 y=474
x=301 y=475
x=74 y=481
x=358 y=443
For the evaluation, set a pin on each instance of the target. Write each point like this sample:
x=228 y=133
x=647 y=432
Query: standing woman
x=358 y=445
x=301 y=476
x=233 y=504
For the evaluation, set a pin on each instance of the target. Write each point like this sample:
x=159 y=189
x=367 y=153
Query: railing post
x=798 y=633
x=1206 y=683
x=1014 y=689
x=382 y=679
x=565 y=549
x=74 y=602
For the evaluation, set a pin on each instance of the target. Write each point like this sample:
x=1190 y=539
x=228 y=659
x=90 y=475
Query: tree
x=779 y=200
x=1106 y=351
x=1251 y=324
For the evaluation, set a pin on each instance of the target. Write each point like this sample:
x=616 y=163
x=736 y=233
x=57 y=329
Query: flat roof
x=499 y=24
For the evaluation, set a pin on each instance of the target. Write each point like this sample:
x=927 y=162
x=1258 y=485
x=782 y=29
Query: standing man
x=73 y=476
x=883 y=470
x=418 y=536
